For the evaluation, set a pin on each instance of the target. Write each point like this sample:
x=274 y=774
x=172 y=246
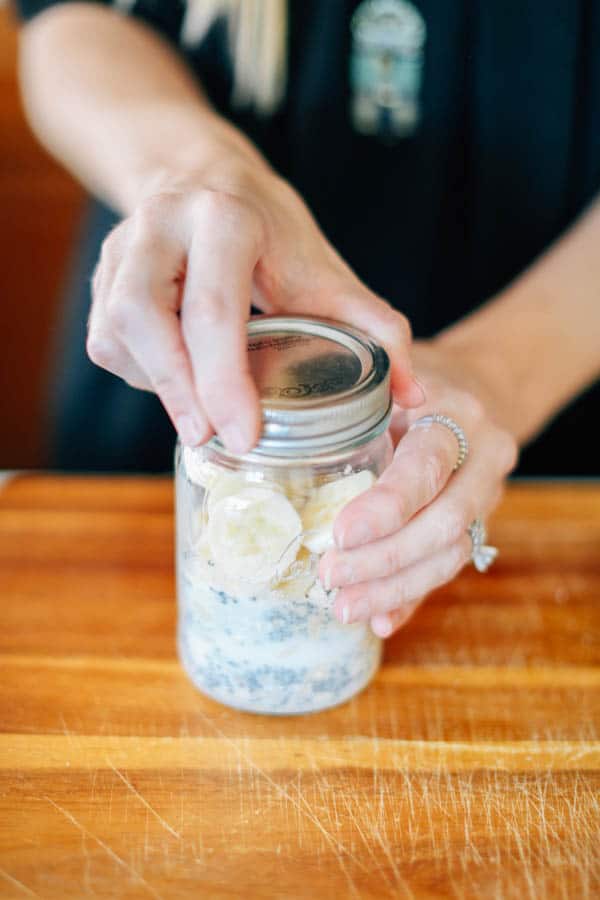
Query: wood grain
x=469 y=769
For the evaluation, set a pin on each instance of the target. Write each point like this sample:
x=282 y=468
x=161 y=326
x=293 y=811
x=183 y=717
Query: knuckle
x=110 y=246
x=152 y=213
x=472 y=406
x=435 y=467
x=170 y=393
x=391 y=500
x=454 y=523
x=406 y=329
x=229 y=218
x=122 y=316
x=391 y=561
x=402 y=327
x=169 y=380
x=102 y=350
x=220 y=208
x=397 y=323
x=135 y=381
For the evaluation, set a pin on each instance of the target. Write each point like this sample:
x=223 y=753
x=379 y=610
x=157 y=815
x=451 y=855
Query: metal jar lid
x=323 y=385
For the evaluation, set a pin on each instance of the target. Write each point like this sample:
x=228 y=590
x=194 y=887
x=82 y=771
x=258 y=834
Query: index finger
x=215 y=309
x=141 y=311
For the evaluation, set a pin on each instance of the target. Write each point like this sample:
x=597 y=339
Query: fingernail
x=345 y=615
x=360 y=610
x=327 y=580
x=357 y=533
x=381 y=626
x=233 y=438
x=189 y=430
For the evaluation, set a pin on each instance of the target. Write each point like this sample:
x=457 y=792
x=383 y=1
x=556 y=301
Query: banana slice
x=199 y=470
x=254 y=534
x=323 y=507
x=299 y=578
x=228 y=483
x=224 y=485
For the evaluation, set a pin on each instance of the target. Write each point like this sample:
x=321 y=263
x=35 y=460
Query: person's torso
x=504 y=152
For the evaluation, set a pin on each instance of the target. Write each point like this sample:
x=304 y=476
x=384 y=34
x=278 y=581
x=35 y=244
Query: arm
x=537 y=345
x=116 y=105
x=208 y=228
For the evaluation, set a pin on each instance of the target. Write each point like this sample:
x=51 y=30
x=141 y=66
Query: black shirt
x=506 y=154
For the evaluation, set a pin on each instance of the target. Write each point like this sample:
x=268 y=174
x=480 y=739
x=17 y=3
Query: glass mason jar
x=256 y=627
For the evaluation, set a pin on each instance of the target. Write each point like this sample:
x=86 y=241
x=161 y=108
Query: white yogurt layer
x=264 y=645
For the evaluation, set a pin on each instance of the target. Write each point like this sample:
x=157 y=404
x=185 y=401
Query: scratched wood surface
x=470 y=768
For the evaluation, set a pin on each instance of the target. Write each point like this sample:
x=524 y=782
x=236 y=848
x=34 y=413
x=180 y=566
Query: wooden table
x=469 y=769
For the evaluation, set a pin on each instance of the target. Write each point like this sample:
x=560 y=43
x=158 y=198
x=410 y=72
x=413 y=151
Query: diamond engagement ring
x=457 y=431
x=482 y=555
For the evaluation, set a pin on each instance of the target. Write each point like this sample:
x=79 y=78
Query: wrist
x=486 y=373
x=210 y=152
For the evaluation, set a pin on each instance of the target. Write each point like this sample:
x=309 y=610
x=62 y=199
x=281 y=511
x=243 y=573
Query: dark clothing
x=506 y=154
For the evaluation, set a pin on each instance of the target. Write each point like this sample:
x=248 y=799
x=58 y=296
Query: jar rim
x=314 y=456
x=324 y=386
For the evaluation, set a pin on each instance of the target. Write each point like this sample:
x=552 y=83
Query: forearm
x=116 y=105
x=537 y=345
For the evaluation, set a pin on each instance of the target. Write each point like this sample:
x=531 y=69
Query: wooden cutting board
x=469 y=769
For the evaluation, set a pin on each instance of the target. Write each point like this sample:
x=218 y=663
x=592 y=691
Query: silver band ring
x=482 y=555
x=457 y=431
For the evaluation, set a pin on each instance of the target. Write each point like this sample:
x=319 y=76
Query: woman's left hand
x=407 y=535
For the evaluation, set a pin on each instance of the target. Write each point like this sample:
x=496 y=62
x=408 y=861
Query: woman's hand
x=173 y=288
x=408 y=534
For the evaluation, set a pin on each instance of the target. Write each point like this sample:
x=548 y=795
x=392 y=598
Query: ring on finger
x=454 y=427
x=482 y=554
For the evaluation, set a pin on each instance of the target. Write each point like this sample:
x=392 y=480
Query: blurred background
x=40 y=206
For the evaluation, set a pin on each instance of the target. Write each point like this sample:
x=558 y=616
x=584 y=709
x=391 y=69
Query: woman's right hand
x=172 y=291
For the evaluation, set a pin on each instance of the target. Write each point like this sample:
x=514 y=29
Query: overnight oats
x=256 y=627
